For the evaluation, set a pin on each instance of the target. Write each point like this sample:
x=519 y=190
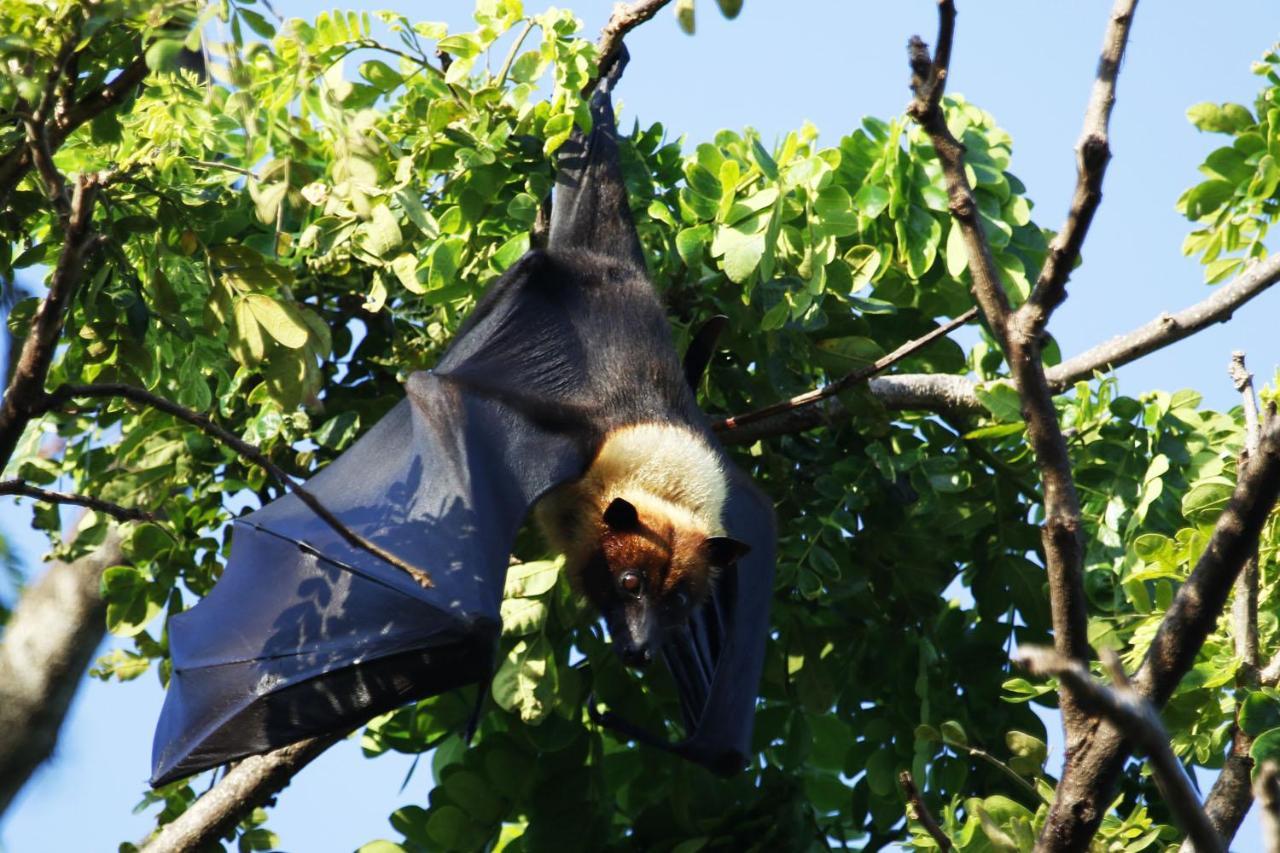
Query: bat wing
x=305 y=634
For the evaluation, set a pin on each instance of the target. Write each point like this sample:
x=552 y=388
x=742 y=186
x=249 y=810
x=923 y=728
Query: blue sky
x=1029 y=62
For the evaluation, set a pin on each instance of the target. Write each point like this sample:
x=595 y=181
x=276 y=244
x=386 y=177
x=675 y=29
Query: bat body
x=561 y=389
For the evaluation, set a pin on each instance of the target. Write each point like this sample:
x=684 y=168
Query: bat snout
x=637 y=657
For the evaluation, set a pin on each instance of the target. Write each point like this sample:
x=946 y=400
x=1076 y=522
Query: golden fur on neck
x=667 y=472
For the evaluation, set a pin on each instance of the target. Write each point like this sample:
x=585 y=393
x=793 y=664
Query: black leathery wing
x=305 y=634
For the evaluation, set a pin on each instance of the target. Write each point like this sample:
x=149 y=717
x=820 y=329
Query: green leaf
x=1001 y=400
x=1265 y=748
x=281 y=321
x=405 y=266
x=741 y=247
x=1259 y=712
x=163 y=54
x=1225 y=118
x=524 y=682
x=129 y=602
x=382 y=232
x=690 y=244
x=1206 y=499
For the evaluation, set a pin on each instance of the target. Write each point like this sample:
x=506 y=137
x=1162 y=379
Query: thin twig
x=1130 y=712
x=1093 y=152
x=1244 y=608
x=64 y=394
x=849 y=380
x=1231 y=795
x=1168 y=328
x=122 y=513
x=919 y=812
x=515 y=48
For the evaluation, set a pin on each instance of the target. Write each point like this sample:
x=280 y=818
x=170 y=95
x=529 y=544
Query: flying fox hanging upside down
x=561 y=391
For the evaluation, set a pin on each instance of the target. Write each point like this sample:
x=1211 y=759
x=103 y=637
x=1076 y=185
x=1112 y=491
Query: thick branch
x=1063 y=548
x=120 y=513
x=1085 y=789
x=919 y=812
x=625 y=18
x=49 y=640
x=1130 y=712
x=251 y=783
x=26 y=389
x=138 y=395
x=1093 y=151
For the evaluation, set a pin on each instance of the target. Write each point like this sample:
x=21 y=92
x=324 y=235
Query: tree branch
x=66 y=393
x=809 y=398
x=50 y=638
x=625 y=18
x=26 y=388
x=1093 y=152
x=120 y=513
x=1021 y=342
x=251 y=783
x=1085 y=788
x=1129 y=711
x=15 y=164
x=1168 y=328
x=919 y=812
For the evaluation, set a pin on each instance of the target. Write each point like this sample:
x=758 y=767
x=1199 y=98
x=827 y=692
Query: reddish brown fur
x=665 y=558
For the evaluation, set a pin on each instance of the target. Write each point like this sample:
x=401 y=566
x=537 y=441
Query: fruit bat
x=561 y=389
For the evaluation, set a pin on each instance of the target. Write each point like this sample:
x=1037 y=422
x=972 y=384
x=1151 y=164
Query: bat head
x=650 y=575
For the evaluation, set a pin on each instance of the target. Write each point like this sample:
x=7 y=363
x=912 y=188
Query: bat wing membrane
x=306 y=634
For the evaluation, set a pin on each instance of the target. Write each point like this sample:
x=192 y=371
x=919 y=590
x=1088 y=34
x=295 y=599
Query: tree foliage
x=287 y=239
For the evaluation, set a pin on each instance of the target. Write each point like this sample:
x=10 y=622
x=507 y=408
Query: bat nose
x=636 y=656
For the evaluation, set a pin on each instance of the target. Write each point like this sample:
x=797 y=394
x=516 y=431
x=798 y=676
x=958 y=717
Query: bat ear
x=701 y=349
x=621 y=515
x=724 y=552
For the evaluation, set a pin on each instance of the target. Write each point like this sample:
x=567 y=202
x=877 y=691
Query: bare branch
x=1231 y=795
x=1093 y=151
x=50 y=638
x=848 y=381
x=138 y=395
x=120 y=513
x=1244 y=607
x=1022 y=348
x=625 y=18
x=1085 y=788
x=1267 y=791
x=1195 y=609
x=919 y=812
x=26 y=388
x=1168 y=328
x=251 y=783
x=1130 y=712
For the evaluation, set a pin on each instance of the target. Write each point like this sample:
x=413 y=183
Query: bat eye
x=631 y=583
x=681 y=600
